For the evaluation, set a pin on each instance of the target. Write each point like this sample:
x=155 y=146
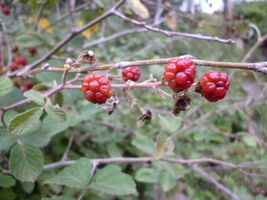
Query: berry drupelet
x=180 y=73
x=96 y=88
x=214 y=85
x=131 y=73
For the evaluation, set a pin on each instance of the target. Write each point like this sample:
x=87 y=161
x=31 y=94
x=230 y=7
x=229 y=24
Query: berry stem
x=258 y=67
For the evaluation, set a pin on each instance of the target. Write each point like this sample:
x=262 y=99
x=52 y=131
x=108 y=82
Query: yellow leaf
x=88 y=32
x=138 y=8
x=170 y=21
x=43 y=23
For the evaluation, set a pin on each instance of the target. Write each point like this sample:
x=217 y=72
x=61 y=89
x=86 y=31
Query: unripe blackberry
x=180 y=73
x=21 y=60
x=96 y=88
x=131 y=73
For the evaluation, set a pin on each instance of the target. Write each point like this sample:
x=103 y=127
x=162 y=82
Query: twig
x=216 y=183
x=113 y=36
x=258 y=67
x=66 y=152
x=171 y=33
x=70 y=5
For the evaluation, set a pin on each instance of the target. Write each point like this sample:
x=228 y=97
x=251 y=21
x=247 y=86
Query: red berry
x=2 y=4
x=5 y=11
x=214 y=85
x=15 y=48
x=32 y=51
x=180 y=73
x=27 y=85
x=131 y=73
x=13 y=66
x=96 y=88
x=21 y=60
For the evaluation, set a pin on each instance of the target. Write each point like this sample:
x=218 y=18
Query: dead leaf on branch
x=181 y=102
x=138 y=8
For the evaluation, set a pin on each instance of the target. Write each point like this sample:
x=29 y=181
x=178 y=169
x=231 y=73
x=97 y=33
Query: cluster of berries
x=5 y=10
x=179 y=75
x=20 y=61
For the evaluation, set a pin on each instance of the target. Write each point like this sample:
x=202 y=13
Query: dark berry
x=213 y=85
x=15 y=48
x=2 y=4
x=180 y=73
x=13 y=66
x=27 y=85
x=131 y=73
x=32 y=50
x=6 y=11
x=96 y=88
x=21 y=60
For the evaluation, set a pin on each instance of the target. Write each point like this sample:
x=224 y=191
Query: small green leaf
x=59 y=99
x=147 y=175
x=144 y=143
x=6 y=181
x=26 y=162
x=56 y=113
x=169 y=123
x=167 y=181
x=250 y=141
x=77 y=175
x=111 y=180
x=5 y=85
x=28 y=186
x=23 y=122
x=28 y=40
x=35 y=96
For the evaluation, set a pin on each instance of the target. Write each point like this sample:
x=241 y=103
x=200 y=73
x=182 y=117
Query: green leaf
x=5 y=85
x=111 y=180
x=26 y=162
x=6 y=140
x=6 y=181
x=164 y=145
x=147 y=175
x=77 y=175
x=59 y=99
x=56 y=113
x=23 y=122
x=35 y=96
x=144 y=143
x=28 y=186
x=167 y=181
x=250 y=141
x=169 y=123
x=28 y=40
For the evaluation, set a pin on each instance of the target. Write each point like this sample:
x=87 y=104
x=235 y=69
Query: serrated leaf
x=35 y=96
x=23 y=122
x=26 y=162
x=164 y=145
x=28 y=40
x=111 y=180
x=169 y=123
x=5 y=85
x=6 y=181
x=28 y=187
x=56 y=113
x=144 y=143
x=77 y=175
x=167 y=181
x=147 y=175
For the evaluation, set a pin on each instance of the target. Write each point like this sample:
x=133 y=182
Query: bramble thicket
x=133 y=99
